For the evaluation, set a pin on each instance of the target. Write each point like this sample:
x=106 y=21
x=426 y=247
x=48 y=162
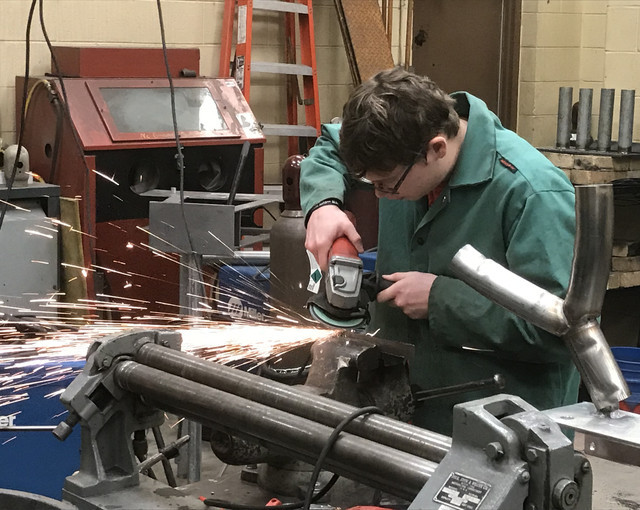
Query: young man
x=447 y=173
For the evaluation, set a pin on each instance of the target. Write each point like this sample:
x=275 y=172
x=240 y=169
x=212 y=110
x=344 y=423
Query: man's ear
x=439 y=145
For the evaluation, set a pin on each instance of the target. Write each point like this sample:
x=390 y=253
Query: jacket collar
x=478 y=152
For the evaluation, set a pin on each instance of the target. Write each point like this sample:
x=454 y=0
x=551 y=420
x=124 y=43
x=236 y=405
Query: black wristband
x=322 y=203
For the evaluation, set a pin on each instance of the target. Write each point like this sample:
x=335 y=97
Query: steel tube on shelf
x=583 y=132
x=565 y=100
x=605 y=119
x=297 y=401
x=392 y=470
x=625 y=133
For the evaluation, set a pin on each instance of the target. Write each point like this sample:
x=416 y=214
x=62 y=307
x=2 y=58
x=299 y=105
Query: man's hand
x=326 y=224
x=409 y=292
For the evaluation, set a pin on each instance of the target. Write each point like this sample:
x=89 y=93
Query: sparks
x=57 y=355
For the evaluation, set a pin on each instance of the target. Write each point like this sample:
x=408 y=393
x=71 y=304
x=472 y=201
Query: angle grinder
x=343 y=300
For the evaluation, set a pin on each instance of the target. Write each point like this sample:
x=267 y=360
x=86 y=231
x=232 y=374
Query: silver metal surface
x=275 y=5
x=605 y=119
x=240 y=257
x=212 y=227
x=509 y=290
x=191 y=295
x=625 y=133
x=592 y=252
x=585 y=295
x=343 y=281
x=565 y=102
x=281 y=68
x=621 y=427
x=583 y=132
x=604 y=448
x=289 y=130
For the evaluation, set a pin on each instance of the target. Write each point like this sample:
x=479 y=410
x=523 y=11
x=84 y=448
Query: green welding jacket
x=510 y=203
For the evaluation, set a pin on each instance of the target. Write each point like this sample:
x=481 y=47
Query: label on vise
x=462 y=492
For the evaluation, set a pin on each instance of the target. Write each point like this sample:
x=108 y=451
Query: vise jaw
x=106 y=412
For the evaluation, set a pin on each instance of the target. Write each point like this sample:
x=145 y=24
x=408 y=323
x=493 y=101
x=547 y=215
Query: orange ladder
x=301 y=135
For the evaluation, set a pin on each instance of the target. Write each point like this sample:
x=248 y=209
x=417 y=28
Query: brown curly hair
x=389 y=119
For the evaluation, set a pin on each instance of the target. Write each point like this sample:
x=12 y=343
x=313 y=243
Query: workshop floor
x=616 y=485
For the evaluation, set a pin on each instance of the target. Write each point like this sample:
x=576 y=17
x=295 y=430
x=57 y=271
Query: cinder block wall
x=188 y=23
x=577 y=43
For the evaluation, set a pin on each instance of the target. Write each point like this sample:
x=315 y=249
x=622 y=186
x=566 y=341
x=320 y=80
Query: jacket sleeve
x=540 y=249
x=322 y=173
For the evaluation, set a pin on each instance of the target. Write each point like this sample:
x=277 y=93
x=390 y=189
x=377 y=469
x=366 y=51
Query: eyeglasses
x=396 y=187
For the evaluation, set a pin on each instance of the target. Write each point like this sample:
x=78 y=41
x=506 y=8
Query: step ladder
x=301 y=135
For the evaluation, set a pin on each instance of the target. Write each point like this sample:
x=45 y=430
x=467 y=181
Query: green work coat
x=510 y=203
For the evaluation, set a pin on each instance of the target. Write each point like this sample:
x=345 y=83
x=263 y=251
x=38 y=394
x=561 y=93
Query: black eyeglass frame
x=396 y=187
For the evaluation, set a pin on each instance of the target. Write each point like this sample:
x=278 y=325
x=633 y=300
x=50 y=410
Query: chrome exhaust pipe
x=574 y=318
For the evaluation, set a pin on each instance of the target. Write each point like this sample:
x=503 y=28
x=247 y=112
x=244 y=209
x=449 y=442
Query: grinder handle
x=344 y=248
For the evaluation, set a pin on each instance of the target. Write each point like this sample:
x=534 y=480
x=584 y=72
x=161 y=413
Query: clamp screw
x=524 y=476
x=531 y=455
x=585 y=467
x=494 y=450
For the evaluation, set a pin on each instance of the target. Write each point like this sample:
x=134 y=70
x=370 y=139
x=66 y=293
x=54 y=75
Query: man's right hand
x=326 y=224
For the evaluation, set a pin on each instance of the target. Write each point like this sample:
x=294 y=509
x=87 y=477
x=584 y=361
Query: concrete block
x=625 y=249
x=625 y=264
x=560 y=159
x=599 y=177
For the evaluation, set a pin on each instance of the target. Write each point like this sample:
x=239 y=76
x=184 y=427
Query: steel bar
x=605 y=119
x=625 y=133
x=166 y=465
x=397 y=472
x=294 y=400
x=565 y=101
x=497 y=382
x=191 y=295
x=583 y=132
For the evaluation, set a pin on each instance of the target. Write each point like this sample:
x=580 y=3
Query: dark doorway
x=471 y=45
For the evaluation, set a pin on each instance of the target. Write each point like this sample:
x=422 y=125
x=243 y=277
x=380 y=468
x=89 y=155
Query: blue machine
x=243 y=291
x=31 y=458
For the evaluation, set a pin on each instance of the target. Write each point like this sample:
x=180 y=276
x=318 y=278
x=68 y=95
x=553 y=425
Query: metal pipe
x=520 y=296
x=589 y=277
x=397 y=472
x=583 y=132
x=297 y=401
x=597 y=366
x=592 y=252
x=605 y=119
x=565 y=100
x=625 y=133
